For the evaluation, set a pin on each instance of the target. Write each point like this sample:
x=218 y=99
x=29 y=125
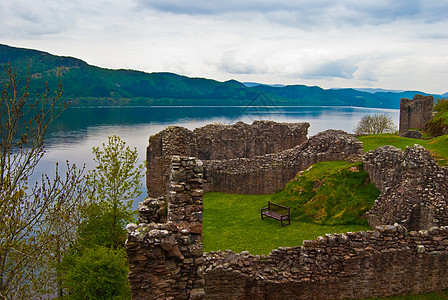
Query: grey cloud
x=232 y=64
x=337 y=68
x=301 y=12
x=28 y=18
x=235 y=62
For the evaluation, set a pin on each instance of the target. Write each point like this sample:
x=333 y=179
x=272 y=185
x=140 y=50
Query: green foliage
x=92 y=268
x=96 y=273
x=331 y=193
x=441 y=105
x=233 y=222
x=99 y=228
x=438 y=147
x=439 y=123
x=375 y=124
x=115 y=182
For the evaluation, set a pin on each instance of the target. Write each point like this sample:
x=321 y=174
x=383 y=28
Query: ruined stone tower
x=416 y=112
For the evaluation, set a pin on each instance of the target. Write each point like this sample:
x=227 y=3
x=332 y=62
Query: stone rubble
x=414 y=188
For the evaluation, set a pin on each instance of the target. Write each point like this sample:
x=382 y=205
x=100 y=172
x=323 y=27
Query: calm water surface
x=79 y=129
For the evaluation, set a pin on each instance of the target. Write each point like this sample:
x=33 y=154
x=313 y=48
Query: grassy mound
x=439 y=124
x=438 y=147
x=329 y=193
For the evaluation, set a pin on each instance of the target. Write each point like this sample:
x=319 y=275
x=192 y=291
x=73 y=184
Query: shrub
x=96 y=273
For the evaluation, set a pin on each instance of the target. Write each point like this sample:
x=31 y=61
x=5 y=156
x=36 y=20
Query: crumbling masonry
x=416 y=112
x=165 y=251
x=414 y=188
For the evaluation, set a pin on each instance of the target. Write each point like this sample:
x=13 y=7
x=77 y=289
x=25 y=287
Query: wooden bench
x=276 y=211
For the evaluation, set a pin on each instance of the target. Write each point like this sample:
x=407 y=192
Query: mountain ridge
x=86 y=84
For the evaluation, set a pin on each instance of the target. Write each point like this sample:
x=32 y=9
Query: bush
x=96 y=273
x=375 y=124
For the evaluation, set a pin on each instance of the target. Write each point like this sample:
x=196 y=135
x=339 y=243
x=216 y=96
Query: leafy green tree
x=116 y=181
x=375 y=124
x=96 y=273
x=37 y=219
x=96 y=266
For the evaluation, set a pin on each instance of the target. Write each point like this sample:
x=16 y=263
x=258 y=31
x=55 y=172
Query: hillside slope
x=86 y=84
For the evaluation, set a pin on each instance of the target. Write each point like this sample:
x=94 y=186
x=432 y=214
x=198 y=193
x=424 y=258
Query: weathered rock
x=165 y=258
x=416 y=112
x=414 y=188
x=152 y=210
x=413 y=134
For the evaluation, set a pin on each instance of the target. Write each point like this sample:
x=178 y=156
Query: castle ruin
x=246 y=159
x=217 y=142
x=406 y=253
x=166 y=260
x=416 y=112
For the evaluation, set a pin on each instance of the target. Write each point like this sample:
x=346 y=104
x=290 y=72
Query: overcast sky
x=396 y=44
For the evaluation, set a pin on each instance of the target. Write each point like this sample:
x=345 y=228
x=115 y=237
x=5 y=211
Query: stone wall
x=217 y=142
x=385 y=262
x=270 y=173
x=166 y=260
x=165 y=250
x=414 y=188
x=416 y=112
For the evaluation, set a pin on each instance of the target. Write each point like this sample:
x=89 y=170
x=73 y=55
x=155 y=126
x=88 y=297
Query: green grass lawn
x=233 y=222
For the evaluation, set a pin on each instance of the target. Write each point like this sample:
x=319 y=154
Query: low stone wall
x=270 y=173
x=414 y=188
x=217 y=142
x=385 y=262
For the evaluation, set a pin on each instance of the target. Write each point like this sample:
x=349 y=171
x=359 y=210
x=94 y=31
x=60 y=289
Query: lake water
x=74 y=134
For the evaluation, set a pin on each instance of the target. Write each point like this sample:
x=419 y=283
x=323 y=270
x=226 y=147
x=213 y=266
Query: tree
x=96 y=266
x=116 y=181
x=375 y=124
x=36 y=219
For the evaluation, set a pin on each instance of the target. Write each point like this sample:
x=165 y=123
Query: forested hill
x=84 y=84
